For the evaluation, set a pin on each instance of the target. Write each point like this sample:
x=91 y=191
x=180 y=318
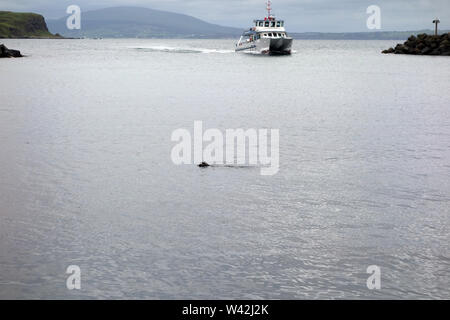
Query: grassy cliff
x=23 y=25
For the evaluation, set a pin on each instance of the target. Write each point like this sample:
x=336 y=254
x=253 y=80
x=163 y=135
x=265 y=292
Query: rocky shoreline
x=9 y=53
x=424 y=44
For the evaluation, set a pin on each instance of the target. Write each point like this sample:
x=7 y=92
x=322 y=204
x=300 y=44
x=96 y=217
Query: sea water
x=87 y=179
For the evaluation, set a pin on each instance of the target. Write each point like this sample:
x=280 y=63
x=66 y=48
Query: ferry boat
x=267 y=36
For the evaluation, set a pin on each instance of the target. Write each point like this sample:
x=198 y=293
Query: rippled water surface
x=86 y=176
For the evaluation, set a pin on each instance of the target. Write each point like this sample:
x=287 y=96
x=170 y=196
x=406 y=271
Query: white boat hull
x=269 y=46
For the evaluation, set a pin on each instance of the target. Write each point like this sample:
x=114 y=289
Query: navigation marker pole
x=436 y=22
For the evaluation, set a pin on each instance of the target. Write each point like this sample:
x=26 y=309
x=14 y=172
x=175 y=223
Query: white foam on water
x=162 y=48
x=171 y=49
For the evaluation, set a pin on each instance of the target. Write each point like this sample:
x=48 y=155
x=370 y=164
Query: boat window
x=273 y=24
x=282 y=23
x=270 y=35
x=261 y=23
x=278 y=24
x=266 y=24
x=265 y=34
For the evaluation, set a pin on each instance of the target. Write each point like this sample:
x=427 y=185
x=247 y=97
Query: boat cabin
x=269 y=23
x=252 y=36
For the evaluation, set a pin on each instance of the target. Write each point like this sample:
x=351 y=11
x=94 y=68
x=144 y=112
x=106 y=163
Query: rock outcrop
x=24 y=25
x=9 y=53
x=424 y=44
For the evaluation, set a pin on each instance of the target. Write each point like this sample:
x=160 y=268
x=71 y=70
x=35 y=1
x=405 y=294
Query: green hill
x=23 y=25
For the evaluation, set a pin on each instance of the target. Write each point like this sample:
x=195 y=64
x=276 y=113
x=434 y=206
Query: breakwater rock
x=9 y=53
x=424 y=44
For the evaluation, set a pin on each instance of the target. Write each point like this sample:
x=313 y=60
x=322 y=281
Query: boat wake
x=179 y=49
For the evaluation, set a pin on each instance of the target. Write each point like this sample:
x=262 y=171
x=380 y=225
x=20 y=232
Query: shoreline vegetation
x=17 y=25
x=423 y=44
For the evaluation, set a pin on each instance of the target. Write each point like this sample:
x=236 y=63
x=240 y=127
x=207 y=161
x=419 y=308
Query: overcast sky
x=300 y=15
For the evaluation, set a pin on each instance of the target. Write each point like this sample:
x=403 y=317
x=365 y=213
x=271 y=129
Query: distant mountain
x=132 y=22
x=23 y=25
x=379 y=35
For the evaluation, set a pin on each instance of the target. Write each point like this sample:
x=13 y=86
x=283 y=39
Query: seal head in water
x=204 y=165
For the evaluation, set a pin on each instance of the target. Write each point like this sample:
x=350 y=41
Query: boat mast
x=269 y=8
